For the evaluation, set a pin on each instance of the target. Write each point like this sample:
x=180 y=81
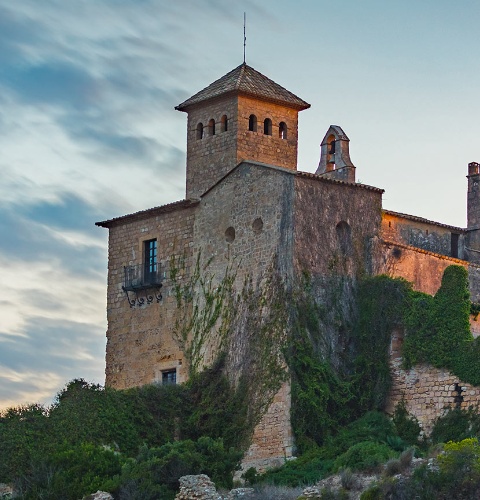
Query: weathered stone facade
x=427 y=391
x=247 y=204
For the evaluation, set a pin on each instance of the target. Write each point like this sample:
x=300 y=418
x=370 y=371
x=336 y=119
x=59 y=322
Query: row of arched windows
x=267 y=126
x=210 y=128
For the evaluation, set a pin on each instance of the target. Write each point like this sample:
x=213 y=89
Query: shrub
x=70 y=473
x=373 y=426
x=307 y=469
x=392 y=467
x=406 y=425
x=156 y=471
x=406 y=457
x=24 y=436
x=455 y=425
x=347 y=479
x=364 y=456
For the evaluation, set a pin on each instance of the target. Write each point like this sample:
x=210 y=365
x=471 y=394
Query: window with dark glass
x=150 y=261
x=169 y=377
x=267 y=126
x=454 y=245
x=252 y=123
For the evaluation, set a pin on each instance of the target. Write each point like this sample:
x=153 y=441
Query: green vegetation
x=90 y=438
x=137 y=443
x=457 y=475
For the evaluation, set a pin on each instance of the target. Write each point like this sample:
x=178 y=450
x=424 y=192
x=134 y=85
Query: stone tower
x=242 y=116
x=473 y=212
x=335 y=160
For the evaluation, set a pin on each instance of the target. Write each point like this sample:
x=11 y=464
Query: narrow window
x=199 y=131
x=282 y=130
x=344 y=236
x=267 y=126
x=454 y=245
x=169 y=377
x=150 y=261
x=331 y=153
x=252 y=123
x=224 y=123
x=211 y=127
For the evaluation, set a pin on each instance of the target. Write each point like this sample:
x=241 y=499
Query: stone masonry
x=247 y=204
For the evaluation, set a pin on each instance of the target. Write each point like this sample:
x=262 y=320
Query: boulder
x=198 y=487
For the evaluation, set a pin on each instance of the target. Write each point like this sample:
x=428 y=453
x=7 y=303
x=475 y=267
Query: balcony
x=142 y=284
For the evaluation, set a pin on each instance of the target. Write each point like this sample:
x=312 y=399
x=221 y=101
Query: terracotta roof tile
x=246 y=81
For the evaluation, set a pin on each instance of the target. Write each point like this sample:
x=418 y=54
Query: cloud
x=36 y=366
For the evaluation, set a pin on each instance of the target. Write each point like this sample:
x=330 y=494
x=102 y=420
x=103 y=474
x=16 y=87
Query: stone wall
x=246 y=221
x=260 y=147
x=422 y=268
x=272 y=441
x=139 y=340
x=427 y=391
x=335 y=226
x=424 y=234
x=212 y=156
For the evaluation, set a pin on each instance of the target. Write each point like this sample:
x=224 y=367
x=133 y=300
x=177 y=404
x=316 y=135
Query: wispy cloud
x=88 y=131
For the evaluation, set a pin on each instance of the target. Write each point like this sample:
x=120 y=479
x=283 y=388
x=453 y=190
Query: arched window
x=267 y=126
x=224 y=123
x=211 y=127
x=200 y=131
x=282 y=130
x=252 y=123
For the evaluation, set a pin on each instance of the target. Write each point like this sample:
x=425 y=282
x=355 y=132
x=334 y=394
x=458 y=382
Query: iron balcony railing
x=139 y=277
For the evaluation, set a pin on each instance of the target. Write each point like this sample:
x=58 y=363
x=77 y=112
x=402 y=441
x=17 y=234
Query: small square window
x=169 y=377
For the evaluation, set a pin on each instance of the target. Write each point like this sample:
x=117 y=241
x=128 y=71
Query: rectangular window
x=169 y=377
x=454 y=245
x=150 y=261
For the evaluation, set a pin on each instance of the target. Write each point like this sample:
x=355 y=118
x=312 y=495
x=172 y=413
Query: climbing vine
x=438 y=330
x=204 y=309
x=245 y=332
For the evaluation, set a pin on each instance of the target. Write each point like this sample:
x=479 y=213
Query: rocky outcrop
x=6 y=491
x=99 y=495
x=238 y=493
x=197 y=488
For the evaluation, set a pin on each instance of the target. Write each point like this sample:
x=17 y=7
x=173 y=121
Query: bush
x=406 y=425
x=457 y=476
x=393 y=466
x=455 y=425
x=373 y=426
x=70 y=473
x=156 y=471
x=307 y=469
x=366 y=455
x=406 y=457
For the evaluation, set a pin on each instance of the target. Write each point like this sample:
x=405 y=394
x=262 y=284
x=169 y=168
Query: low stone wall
x=427 y=391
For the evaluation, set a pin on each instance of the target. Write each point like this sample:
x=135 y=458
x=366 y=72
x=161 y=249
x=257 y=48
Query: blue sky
x=88 y=131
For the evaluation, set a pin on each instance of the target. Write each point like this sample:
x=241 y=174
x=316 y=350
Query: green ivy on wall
x=438 y=330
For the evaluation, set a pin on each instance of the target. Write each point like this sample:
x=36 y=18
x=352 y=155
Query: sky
x=88 y=132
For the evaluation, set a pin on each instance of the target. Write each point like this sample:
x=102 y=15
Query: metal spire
x=244 y=35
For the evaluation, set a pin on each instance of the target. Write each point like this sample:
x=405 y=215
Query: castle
x=246 y=201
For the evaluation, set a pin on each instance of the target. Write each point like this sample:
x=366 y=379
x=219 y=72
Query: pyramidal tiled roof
x=246 y=81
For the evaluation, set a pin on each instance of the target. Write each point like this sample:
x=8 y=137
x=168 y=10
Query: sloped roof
x=246 y=81
x=425 y=221
x=150 y=212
